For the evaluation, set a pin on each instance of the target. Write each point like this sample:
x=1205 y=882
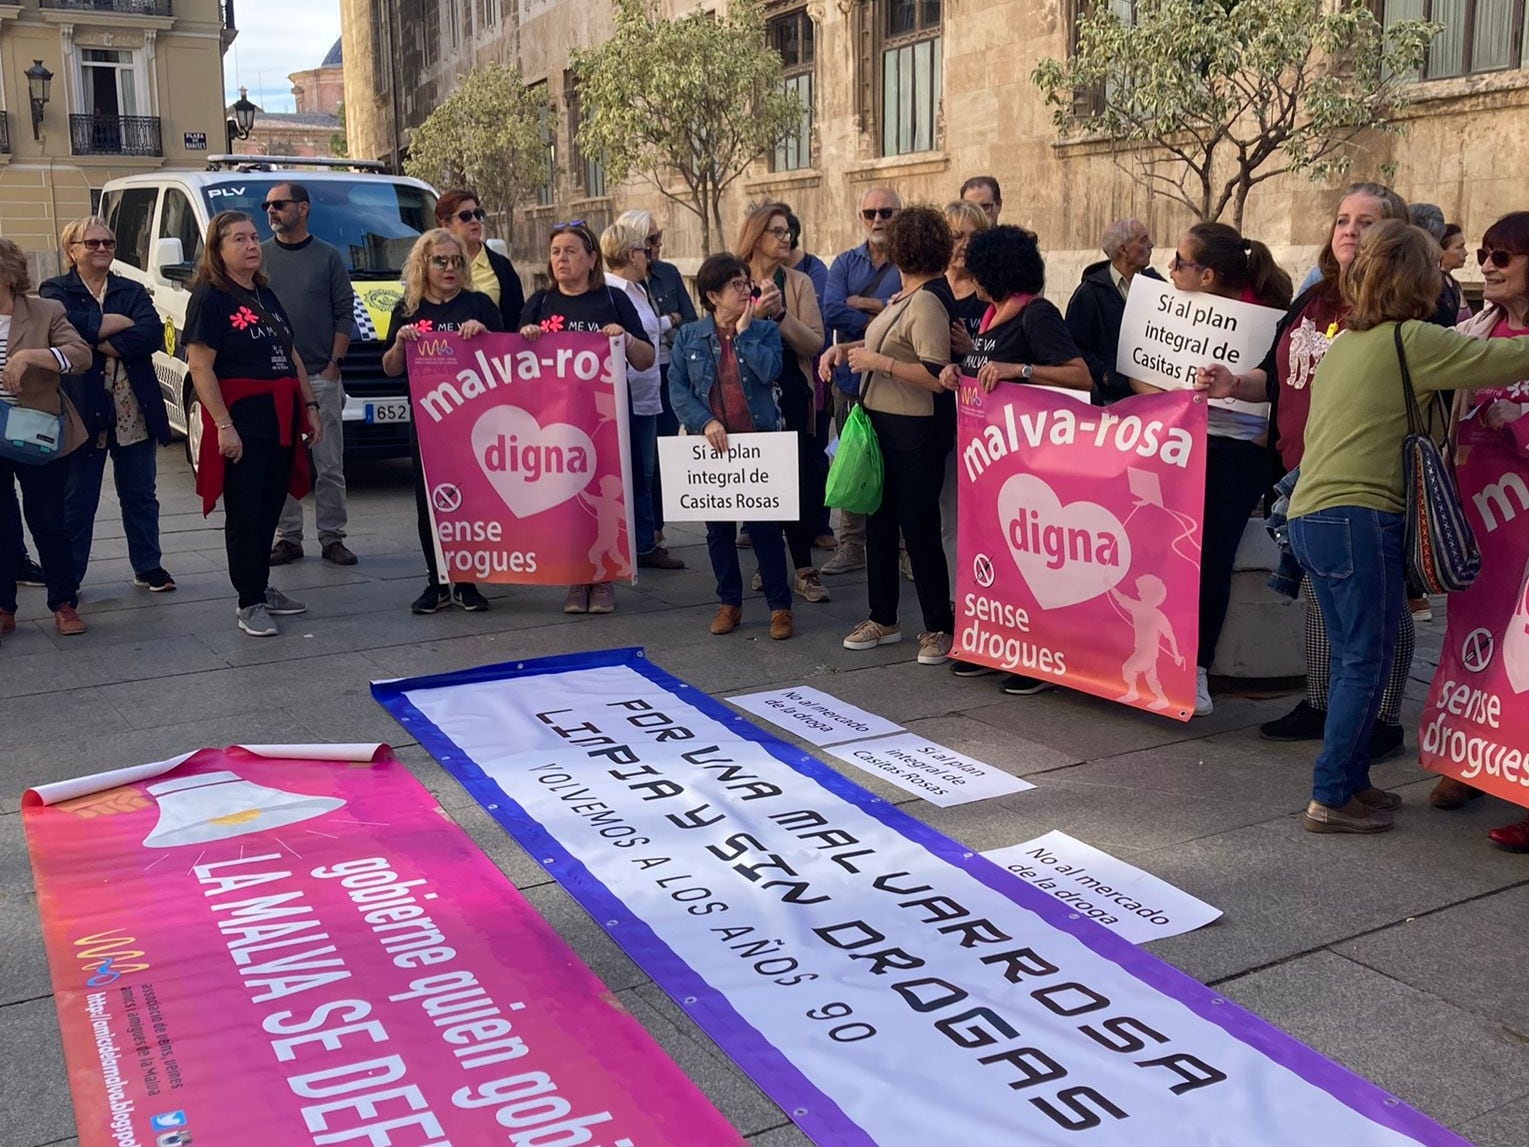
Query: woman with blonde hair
x=435 y=299
x=117 y=398
x=256 y=405
x=786 y=298
x=1346 y=514
x=626 y=253
x=37 y=345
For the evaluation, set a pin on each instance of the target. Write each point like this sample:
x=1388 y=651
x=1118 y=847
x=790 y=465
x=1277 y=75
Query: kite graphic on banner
x=291 y=944
x=1078 y=548
x=880 y=982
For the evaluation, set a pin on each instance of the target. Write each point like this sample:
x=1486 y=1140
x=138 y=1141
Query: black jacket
x=1093 y=316
x=512 y=296
x=135 y=348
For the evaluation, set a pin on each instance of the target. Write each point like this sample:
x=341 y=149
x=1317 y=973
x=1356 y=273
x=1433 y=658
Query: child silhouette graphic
x=609 y=514
x=1152 y=630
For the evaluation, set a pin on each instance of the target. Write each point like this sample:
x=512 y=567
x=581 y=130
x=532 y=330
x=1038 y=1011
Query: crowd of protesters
x=786 y=342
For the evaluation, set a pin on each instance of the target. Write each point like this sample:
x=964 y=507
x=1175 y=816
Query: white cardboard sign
x=755 y=481
x=941 y=776
x=1167 y=334
x=1133 y=904
x=813 y=715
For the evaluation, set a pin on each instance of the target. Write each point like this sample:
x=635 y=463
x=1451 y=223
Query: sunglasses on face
x=869 y=213
x=277 y=204
x=1497 y=256
x=98 y=244
x=465 y=216
x=447 y=262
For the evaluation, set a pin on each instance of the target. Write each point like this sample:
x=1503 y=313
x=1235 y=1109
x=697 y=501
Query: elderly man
x=860 y=282
x=1099 y=303
x=982 y=191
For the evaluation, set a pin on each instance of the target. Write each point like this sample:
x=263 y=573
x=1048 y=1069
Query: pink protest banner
x=252 y=947
x=1475 y=725
x=1078 y=547
x=525 y=449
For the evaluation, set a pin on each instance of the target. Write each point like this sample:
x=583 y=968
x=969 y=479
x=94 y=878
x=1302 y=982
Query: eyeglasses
x=277 y=204
x=1177 y=263
x=446 y=262
x=1499 y=258
x=639 y=251
x=869 y=213
x=477 y=213
x=740 y=285
x=781 y=233
x=97 y=244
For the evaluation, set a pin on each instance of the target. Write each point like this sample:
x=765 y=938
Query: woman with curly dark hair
x=1022 y=338
x=899 y=361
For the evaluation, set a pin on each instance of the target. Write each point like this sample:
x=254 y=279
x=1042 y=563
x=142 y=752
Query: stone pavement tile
x=41 y=719
x=733 y=1093
x=903 y=691
x=33 y=665
x=1285 y=891
x=1449 y=953
x=23 y=965
x=1376 y=1027
x=32 y=1077
x=999 y=748
x=786 y=1136
x=580 y=932
x=1507 y=1126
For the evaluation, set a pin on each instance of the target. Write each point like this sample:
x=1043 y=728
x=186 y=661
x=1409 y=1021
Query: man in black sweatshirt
x=1097 y=306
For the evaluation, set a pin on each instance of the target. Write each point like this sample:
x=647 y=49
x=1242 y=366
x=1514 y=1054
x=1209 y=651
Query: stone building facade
x=137 y=85
x=313 y=128
x=918 y=95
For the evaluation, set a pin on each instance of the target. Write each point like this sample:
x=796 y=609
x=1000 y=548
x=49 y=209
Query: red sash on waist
x=287 y=395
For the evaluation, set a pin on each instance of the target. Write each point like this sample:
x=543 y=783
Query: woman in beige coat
x=37 y=344
x=786 y=297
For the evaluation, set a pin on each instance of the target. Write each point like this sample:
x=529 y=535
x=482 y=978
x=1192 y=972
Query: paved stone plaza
x=1400 y=956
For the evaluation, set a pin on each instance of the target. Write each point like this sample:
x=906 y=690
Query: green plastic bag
x=854 y=478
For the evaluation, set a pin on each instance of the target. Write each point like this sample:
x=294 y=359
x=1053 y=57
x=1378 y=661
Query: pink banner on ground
x=253 y=951
x=1079 y=540
x=1475 y=725
x=525 y=449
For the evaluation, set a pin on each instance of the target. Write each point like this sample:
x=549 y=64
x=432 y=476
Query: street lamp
x=242 y=122
x=38 y=79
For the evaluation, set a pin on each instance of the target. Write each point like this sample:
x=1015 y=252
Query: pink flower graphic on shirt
x=552 y=325
x=424 y=326
x=243 y=318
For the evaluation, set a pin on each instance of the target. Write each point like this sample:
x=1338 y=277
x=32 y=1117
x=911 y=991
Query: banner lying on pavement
x=252 y=949
x=882 y=983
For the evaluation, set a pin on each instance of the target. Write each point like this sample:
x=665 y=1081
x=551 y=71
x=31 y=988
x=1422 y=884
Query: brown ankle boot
x=1452 y=794
x=727 y=619
x=780 y=624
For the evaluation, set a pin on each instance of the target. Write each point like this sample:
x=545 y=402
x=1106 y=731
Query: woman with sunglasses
x=1303 y=337
x=1216 y=259
x=435 y=299
x=1494 y=418
x=786 y=298
x=581 y=300
x=489 y=272
x=118 y=398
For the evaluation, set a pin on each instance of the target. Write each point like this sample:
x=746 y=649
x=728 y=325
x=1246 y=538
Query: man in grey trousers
x=309 y=277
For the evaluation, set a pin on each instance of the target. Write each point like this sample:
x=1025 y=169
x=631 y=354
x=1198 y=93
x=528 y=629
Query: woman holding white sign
x=1215 y=259
x=722 y=375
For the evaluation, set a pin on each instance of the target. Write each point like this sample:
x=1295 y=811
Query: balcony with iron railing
x=114 y=135
x=120 y=7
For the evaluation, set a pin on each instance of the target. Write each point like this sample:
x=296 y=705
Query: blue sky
x=277 y=38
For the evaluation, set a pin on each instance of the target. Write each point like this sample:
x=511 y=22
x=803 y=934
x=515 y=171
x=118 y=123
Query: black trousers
x=42 y=501
x=254 y=492
x=802 y=415
x=1236 y=475
x=913 y=461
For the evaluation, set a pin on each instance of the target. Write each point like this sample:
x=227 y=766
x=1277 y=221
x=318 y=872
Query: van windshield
x=373 y=222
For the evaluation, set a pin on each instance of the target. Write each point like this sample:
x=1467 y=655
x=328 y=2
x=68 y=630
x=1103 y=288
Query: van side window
x=134 y=224
x=177 y=220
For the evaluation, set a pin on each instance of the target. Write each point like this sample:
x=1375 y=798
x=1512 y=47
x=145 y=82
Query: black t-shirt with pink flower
x=437 y=317
x=594 y=310
x=246 y=345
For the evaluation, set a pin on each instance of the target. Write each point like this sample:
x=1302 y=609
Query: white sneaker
x=933 y=648
x=1203 y=706
x=868 y=635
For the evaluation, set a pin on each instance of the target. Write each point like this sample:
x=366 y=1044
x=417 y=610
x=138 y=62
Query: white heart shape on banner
x=531 y=466
x=1515 y=641
x=1066 y=554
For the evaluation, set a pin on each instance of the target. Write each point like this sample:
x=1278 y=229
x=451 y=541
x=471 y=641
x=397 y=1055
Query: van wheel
x=193 y=430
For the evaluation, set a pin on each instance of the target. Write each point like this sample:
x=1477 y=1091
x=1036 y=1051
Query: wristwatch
x=1025 y=372
x=339 y=362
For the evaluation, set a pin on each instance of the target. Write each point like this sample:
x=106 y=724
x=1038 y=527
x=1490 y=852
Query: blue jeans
x=644 y=435
x=1354 y=559
x=769 y=547
x=133 y=470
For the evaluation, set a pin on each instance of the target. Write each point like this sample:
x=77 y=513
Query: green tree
x=1209 y=98
x=700 y=97
x=338 y=144
x=487 y=135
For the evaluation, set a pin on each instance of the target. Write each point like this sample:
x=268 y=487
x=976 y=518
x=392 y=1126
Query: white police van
x=372 y=219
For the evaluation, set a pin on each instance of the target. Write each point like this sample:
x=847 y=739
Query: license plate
x=388 y=411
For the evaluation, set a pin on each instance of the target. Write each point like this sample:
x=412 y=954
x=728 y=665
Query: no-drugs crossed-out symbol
x=1476 y=652
x=982 y=570
x=446 y=498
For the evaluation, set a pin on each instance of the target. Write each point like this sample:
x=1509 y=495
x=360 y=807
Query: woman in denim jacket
x=722 y=380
